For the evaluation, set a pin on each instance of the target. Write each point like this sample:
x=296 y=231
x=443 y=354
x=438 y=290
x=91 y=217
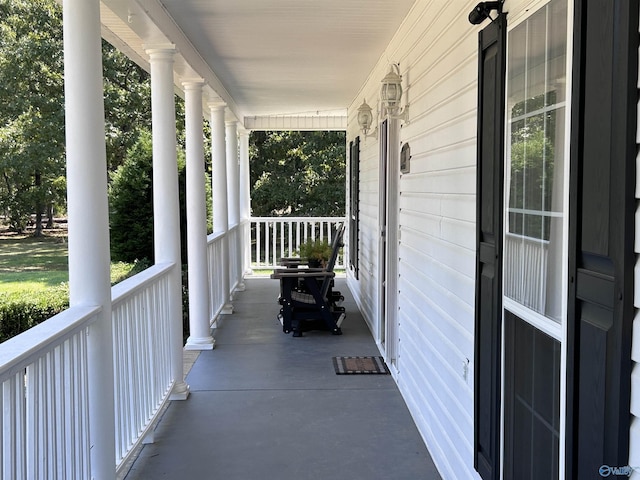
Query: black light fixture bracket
x=483 y=10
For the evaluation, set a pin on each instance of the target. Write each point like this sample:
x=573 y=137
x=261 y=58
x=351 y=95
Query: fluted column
x=220 y=200
x=87 y=207
x=199 y=329
x=166 y=218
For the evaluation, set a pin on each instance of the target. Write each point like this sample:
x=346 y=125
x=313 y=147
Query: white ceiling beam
x=296 y=122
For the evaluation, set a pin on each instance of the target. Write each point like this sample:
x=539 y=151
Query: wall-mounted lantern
x=391 y=95
x=365 y=120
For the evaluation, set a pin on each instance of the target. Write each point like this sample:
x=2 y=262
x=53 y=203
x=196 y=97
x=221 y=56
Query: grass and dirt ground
x=30 y=264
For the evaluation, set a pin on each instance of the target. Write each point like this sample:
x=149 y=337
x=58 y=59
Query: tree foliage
x=532 y=165
x=298 y=173
x=131 y=204
x=32 y=135
x=31 y=107
x=127 y=103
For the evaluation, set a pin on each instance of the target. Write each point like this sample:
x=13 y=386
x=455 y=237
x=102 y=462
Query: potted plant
x=315 y=252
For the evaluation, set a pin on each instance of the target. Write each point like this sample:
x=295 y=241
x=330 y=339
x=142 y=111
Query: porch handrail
x=275 y=237
x=141 y=354
x=129 y=286
x=44 y=402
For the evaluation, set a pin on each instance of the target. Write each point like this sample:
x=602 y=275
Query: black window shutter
x=354 y=204
x=488 y=313
x=601 y=235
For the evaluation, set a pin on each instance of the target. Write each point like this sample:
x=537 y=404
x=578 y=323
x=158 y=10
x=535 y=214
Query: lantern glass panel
x=365 y=118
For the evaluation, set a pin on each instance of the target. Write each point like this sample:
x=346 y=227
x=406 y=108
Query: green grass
x=34 y=281
x=30 y=264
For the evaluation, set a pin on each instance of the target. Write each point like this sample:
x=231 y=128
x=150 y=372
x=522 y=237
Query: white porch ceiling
x=264 y=58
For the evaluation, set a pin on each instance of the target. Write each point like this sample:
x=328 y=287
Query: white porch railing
x=45 y=411
x=217 y=295
x=235 y=255
x=44 y=371
x=235 y=261
x=141 y=354
x=275 y=237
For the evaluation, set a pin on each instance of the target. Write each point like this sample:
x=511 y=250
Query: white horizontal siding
x=435 y=406
x=436 y=48
x=442 y=266
x=454 y=206
x=365 y=290
x=451 y=182
x=455 y=257
x=447 y=316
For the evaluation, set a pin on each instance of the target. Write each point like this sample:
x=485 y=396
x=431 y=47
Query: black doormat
x=360 y=365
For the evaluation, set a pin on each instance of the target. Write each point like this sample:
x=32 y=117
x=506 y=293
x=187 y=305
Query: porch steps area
x=266 y=405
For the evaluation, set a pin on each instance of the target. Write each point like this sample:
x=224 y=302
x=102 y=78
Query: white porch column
x=166 y=218
x=89 y=257
x=219 y=189
x=245 y=201
x=199 y=330
x=233 y=173
x=233 y=191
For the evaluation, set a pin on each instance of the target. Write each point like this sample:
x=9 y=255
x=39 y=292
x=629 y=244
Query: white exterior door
x=389 y=238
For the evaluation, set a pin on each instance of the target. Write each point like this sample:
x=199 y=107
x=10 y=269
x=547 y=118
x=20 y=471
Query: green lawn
x=33 y=264
x=29 y=264
x=34 y=281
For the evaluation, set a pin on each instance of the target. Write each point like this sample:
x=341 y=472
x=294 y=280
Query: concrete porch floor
x=266 y=405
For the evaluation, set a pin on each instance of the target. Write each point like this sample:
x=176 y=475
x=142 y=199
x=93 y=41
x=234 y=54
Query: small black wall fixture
x=483 y=10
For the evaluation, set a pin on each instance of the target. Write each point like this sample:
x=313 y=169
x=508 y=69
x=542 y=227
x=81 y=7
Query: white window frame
x=521 y=10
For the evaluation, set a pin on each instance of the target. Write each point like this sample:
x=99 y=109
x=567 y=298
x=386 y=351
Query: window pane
x=536 y=91
x=532 y=402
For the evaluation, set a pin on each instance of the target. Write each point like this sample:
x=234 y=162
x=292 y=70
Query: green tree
x=127 y=103
x=131 y=203
x=31 y=113
x=32 y=141
x=298 y=173
x=532 y=158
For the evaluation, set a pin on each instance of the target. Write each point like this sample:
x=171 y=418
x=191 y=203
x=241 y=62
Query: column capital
x=193 y=83
x=161 y=51
x=231 y=123
x=216 y=106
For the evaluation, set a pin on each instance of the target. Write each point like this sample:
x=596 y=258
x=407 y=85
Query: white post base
x=195 y=343
x=227 y=309
x=150 y=437
x=241 y=287
x=180 y=391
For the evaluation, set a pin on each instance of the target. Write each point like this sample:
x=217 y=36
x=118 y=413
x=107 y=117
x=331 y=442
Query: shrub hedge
x=21 y=311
